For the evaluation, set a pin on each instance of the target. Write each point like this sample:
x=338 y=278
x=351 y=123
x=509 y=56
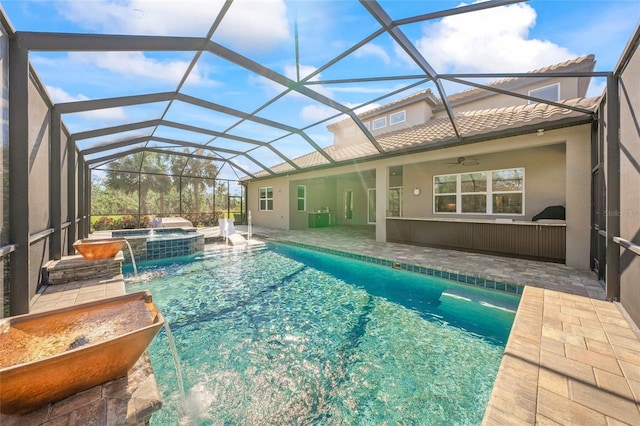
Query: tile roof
x=587 y=61
x=470 y=123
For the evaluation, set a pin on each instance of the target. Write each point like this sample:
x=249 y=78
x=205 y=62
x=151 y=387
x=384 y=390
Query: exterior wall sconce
x=540 y=132
x=416 y=191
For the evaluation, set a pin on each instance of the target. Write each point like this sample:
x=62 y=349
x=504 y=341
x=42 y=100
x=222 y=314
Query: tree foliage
x=157 y=184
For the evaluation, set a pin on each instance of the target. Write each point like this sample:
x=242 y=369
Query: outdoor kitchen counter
x=528 y=240
x=560 y=223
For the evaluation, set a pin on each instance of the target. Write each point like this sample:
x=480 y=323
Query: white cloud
x=492 y=40
x=136 y=64
x=254 y=25
x=250 y=25
x=291 y=71
x=110 y=114
x=374 y=50
x=316 y=112
x=147 y=17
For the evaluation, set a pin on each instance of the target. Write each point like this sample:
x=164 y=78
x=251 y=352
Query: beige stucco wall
x=548 y=181
x=346 y=133
x=544 y=180
x=569 y=89
x=630 y=185
x=359 y=190
x=279 y=217
x=321 y=194
x=415 y=114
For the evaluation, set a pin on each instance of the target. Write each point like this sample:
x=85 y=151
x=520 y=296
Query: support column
x=612 y=277
x=19 y=174
x=81 y=194
x=87 y=200
x=55 y=188
x=71 y=195
x=382 y=192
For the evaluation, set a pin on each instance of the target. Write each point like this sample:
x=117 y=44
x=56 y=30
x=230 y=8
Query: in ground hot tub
x=161 y=243
x=48 y=356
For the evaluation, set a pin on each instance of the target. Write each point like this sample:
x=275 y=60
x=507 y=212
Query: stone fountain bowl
x=99 y=248
x=48 y=356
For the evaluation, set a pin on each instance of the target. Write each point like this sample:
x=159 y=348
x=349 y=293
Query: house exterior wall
x=570 y=88
x=346 y=133
x=544 y=180
x=548 y=179
x=415 y=114
x=277 y=218
x=630 y=185
x=321 y=194
x=359 y=189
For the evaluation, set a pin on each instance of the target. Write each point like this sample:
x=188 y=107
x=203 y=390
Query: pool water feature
x=161 y=243
x=285 y=335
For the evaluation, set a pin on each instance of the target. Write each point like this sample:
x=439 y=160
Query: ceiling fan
x=464 y=161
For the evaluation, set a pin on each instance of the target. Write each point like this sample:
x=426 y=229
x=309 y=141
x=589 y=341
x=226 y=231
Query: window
x=485 y=192
x=394 y=202
x=379 y=123
x=444 y=190
x=473 y=192
x=507 y=190
x=548 y=93
x=397 y=117
x=302 y=198
x=265 y=201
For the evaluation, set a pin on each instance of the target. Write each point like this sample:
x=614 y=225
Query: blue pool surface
x=285 y=335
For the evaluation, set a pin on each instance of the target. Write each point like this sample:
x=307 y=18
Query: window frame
x=489 y=193
x=404 y=117
x=303 y=198
x=381 y=119
x=529 y=93
x=265 y=199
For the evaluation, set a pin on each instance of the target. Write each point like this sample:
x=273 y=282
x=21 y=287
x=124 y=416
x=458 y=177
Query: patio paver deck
x=361 y=240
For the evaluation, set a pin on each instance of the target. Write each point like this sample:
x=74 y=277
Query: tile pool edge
x=488 y=283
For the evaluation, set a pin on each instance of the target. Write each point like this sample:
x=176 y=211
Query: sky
x=515 y=38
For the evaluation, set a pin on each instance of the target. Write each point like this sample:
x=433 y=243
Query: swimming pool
x=285 y=335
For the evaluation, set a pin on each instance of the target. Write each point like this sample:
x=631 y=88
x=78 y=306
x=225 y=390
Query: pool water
x=290 y=336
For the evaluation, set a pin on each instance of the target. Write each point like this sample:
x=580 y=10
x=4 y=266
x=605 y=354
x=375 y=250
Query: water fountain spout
x=133 y=260
x=178 y=367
